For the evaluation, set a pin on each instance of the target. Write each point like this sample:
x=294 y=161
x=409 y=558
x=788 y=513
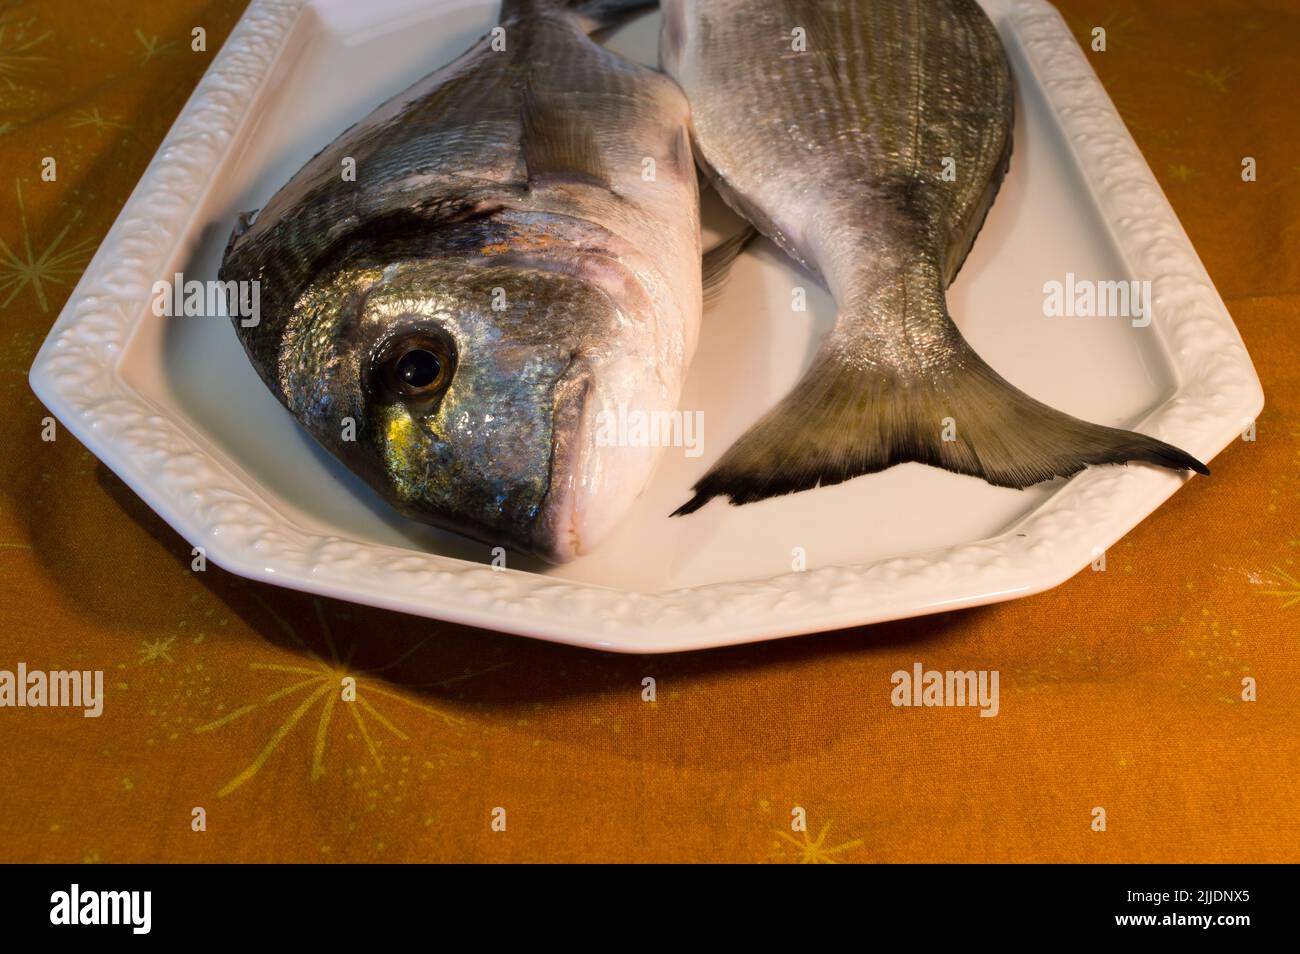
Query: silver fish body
x=453 y=321
x=868 y=138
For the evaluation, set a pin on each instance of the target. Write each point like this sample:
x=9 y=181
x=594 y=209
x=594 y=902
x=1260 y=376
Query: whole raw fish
x=834 y=126
x=516 y=254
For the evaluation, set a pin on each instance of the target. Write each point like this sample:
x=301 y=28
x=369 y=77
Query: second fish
x=826 y=123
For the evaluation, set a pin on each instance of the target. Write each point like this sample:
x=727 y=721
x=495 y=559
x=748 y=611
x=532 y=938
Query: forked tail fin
x=849 y=417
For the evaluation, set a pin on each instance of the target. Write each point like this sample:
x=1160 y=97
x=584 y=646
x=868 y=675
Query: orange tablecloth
x=1120 y=689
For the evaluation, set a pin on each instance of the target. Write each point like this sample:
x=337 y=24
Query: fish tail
x=594 y=14
x=852 y=415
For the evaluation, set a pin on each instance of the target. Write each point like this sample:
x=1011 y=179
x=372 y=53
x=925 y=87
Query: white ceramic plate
x=174 y=408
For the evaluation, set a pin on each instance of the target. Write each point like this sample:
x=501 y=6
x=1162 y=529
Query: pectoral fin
x=717 y=263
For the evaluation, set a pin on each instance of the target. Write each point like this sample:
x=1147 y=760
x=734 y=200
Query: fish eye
x=415 y=367
x=418 y=368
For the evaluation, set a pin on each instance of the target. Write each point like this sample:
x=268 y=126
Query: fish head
x=466 y=394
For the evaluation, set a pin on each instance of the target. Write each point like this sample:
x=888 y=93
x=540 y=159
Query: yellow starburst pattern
x=94 y=119
x=321 y=685
x=1215 y=79
x=156 y=650
x=1288 y=587
x=1183 y=173
x=18 y=54
x=57 y=264
x=152 y=47
x=806 y=851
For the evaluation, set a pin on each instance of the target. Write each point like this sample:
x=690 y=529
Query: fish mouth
x=558 y=533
